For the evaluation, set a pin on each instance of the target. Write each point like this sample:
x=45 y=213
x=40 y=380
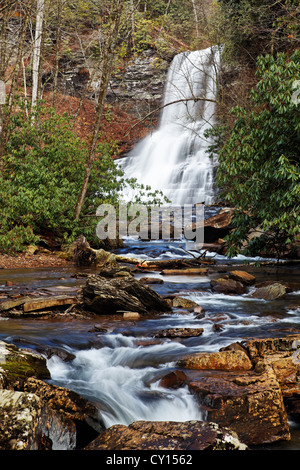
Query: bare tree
x=117 y=7
x=40 y=9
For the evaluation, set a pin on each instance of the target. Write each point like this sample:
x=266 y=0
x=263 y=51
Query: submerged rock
x=152 y=435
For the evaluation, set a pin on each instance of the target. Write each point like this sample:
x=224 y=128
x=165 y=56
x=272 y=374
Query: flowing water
x=120 y=368
x=173 y=158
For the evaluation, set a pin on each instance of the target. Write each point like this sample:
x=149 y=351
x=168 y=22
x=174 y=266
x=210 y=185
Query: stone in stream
x=222 y=360
x=252 y=401
x=108 y=296
x=271 y=291
x=228 y=286
x=179 y=333
x=157 y=435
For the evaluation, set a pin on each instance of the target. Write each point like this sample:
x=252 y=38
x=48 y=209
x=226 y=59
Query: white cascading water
x=123 y=379
x=174 y=158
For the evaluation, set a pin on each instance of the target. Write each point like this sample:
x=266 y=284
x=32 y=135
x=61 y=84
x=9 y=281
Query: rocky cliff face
x=139 y=89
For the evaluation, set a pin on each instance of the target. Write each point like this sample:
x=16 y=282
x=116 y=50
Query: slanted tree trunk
x=111 y=40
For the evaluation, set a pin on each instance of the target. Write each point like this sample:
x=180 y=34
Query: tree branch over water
x=183 y=100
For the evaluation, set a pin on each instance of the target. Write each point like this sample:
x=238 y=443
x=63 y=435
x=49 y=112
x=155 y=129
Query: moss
x=19 y=366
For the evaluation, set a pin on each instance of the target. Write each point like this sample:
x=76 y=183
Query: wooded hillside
x=69 y=110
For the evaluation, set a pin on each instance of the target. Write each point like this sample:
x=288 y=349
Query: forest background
x=58 y=149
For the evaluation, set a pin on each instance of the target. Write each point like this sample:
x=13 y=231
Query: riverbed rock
x=110 y=296
x=222 y=360
x=225 y=285
x=174 y=379
x=72 y=409
x=152 y=435
x=249 y=403
x=270 y=292
x=182 y=302
x=283 y=355
x=179 y=333
x=242 y=276
x=17 y=364
x=215 y=227
x=22 y=423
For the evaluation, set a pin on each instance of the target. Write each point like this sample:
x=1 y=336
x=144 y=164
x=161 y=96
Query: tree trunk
x=37 y=51
x=106 y=72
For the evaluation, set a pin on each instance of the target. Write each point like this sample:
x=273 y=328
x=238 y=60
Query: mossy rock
x=16 y=365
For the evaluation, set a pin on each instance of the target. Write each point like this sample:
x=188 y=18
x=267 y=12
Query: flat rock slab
x=159 y=435
x=44 y=303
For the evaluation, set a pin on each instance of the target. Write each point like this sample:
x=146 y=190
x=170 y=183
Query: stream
x=120 y=368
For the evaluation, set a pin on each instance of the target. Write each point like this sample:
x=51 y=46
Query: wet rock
x=228 y=286
x=83 y=414
x=108 y=296
x=64 y=355
x=283 y=355
x=17 y=364
x=21 y=422
x=199 y=311
x=190 y=435
x=151 y=280
x=270 y=292
x=181 y=302
x=250 y=404
x=222 y=360
x=131 y=316
x=175 y=379
x=179 y=333
x=243 y=277
x=215 y=227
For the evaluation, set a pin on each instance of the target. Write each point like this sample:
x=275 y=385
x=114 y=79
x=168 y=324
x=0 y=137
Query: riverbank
x=38 y=260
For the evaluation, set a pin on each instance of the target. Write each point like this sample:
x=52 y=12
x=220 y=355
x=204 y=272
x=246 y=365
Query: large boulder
x=249 y=403
x=283 y=355
x=270 y=291
x=17 y=365
x=109 y=296
x=225 y=285
x=215 y=227
x=21 y=422
x=189 y=435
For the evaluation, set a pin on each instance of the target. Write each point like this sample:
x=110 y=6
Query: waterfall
x=173 y=158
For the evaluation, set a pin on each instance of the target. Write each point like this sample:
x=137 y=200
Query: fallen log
x=188 y=271
x=180 y=263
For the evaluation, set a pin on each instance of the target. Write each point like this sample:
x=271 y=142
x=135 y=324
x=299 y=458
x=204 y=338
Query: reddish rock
x=250 y=404
x=174 y=379
x=228 y=286
x=149 y=435
x=222 y=360
x=242 y=276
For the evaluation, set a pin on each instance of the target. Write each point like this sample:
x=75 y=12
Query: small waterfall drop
x=173 y=158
